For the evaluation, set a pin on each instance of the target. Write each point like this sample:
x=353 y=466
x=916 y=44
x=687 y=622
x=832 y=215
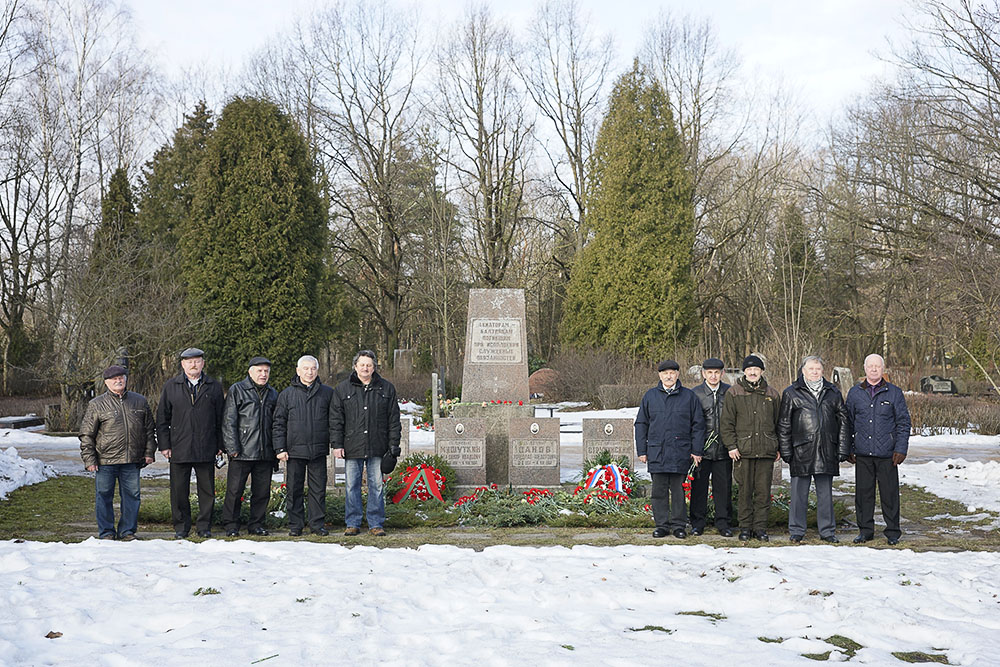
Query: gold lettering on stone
x=463 y=453
x=534 y=453
x=496 y=341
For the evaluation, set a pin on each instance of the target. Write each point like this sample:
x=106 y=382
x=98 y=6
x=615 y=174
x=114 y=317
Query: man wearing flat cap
x=189 y=431
x=246 y=435
x=715 y=466
x=117 y=438
x=669 y=436
x=749 y=419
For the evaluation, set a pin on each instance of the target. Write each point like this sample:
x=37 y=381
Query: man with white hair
x=880 y=434
x=302 y=440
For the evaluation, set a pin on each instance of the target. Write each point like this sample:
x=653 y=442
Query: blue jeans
x=127 y=475
x=376 y=494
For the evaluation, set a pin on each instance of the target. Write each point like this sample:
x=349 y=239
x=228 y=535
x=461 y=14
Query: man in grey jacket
x=117 y=438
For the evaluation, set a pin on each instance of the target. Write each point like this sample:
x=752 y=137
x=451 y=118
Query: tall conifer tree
x=253 y=250
x=631 y=289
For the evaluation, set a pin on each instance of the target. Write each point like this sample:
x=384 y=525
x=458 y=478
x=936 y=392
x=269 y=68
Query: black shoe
x=295 y=532
x=762 y=536
x=893 y=541
x=259 y=531
x=205 y=533
x=661 y=532
x=108 y=536
x=322 y=532
x=861 y=539
x=180 y=535
x=680 y=534
x=127 y=537
x=795 y=538
x=725 y=532
x=232 y=533
x=745 y=535
x=697 y=531
x=832 y=539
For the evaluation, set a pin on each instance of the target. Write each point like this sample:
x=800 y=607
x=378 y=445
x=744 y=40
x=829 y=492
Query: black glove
x=395 y=451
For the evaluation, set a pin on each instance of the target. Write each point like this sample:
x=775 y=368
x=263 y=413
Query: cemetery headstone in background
x=616 y=435
x=462 y=443
x=534 y=452
x=496 y=347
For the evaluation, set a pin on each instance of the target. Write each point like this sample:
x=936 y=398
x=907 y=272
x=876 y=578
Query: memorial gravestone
x=616 y=436
x=534 y=452
x=462 y=443
x=496 y=347
x=404 y=437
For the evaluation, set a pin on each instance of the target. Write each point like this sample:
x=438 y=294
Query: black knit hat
x=713 y=364
x=753 y=360
x=668 y=365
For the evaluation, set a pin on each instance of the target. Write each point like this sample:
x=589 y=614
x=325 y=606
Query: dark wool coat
x=813 y=434
x=302 y=420
x=669 y=428
x=247 y=421
x=364 y=421
x=879 y=426
x=190 y=425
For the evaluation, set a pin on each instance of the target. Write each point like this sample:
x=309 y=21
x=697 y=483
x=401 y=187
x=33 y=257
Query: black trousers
x=296 y=471
x=180 y=490
x=259 y=473
x=668 y=500
x=869 y=471
x=721 y=475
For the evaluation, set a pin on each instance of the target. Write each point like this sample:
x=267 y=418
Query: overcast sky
x=824 y=50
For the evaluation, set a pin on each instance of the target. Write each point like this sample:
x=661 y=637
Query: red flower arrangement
x=616 y=497
x=532 y=496
x=610 y=477
x=475 y=495
x=420 y=482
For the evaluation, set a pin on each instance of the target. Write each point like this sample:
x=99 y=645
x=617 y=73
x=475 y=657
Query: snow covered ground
x=306 y=603
x=16 y=472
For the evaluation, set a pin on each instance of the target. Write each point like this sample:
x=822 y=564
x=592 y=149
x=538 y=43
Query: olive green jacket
x=749 y=419
x=117 y=430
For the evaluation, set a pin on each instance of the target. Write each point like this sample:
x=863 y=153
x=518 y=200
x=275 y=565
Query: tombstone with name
x=614 y=435
x=534 y=452
x=496 y=347
x=462 y=443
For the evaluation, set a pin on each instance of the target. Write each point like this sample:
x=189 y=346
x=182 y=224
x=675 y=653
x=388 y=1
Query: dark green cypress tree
x=253 y=250
x=631 y=289
x=167 y=190
x=117 y=219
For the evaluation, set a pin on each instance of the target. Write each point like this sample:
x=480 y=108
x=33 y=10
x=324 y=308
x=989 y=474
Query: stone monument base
x=497 y=435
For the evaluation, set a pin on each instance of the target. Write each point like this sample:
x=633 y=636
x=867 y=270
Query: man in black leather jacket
x=715 y=463
x=364 y=425
x=246 y=434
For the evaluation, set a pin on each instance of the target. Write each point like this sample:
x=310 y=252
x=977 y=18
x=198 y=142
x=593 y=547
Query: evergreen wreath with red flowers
x=420 y=477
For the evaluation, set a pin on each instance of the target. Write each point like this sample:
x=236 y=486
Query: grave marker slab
x=534 y=452
x=616 y=435
x=496 y=347
x=462 y=443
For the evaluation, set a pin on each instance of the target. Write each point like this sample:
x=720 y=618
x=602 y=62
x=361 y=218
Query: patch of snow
x=16 y=472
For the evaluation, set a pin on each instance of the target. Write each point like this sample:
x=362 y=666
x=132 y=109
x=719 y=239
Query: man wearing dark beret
x=715 y=466
x=246 y=435
x=117 y=438
x=189 y=431
x=669 y=435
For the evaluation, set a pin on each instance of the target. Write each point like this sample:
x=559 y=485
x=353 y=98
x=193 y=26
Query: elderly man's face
x=669 y=378
x=193 y=366
x=812 y=371
x=713 y=376
x=365 y=368
x=307 y=372
x=115 y=385
x=260 y=374
x=752 y=373
x=874 y=369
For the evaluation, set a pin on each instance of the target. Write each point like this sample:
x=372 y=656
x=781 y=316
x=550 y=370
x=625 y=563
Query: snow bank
x=304 y=603
x=16 y=472
x=976 y=483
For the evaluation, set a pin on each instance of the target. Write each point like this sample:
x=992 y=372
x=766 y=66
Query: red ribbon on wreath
x=420 y=476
